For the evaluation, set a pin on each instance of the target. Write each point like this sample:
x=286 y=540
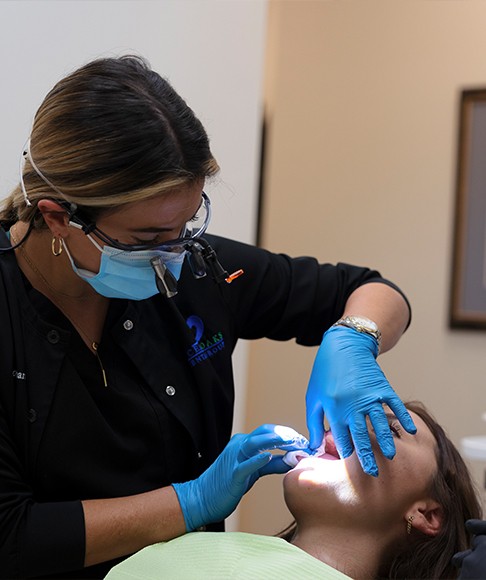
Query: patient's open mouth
x=330 y=446
x=291 y=458
x=326 y=451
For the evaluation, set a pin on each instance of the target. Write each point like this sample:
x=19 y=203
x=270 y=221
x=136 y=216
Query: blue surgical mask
x=128 y=275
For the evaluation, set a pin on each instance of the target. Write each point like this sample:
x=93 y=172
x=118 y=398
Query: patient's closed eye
x=396 y=428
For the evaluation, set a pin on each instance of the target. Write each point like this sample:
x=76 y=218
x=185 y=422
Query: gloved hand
x=215 y=494
x=347 y=385
x=473 y=562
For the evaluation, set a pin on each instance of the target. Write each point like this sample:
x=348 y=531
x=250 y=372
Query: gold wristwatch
x=361 y=324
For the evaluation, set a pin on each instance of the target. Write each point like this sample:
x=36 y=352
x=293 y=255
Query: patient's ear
x=428 y=516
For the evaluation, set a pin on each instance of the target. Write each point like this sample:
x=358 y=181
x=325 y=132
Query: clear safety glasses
x=192 y=230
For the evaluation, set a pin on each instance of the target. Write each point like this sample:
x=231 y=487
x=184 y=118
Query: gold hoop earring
x=409 y=525
x=57 y=252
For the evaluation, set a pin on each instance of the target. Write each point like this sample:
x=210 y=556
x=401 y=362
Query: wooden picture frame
x=468 y=287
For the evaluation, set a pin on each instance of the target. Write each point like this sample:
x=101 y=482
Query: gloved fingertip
x=343 y=450
x=276 y=466
x=370 y=468
x=459 y=557
x=389 y=453
x=475 y=526
x=408 y=424
x=314 y=442
x=315 y=426
x=373 y=471
x=344 y=453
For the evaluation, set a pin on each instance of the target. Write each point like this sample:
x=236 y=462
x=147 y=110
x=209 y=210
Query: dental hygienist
x=119 y=317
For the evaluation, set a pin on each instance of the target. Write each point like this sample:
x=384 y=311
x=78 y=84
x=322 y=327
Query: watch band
x=361 y=324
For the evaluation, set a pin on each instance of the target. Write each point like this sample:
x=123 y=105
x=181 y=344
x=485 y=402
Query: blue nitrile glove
x=473 y=562
x=347 y=385
x=215 y=494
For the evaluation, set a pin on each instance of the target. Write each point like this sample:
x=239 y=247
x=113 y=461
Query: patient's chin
x=316 y=480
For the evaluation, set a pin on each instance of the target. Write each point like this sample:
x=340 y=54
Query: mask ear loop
x=28 y=203
x=21 y=173
x=28 y=154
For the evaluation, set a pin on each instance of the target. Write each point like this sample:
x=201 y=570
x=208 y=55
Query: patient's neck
x=353 y=553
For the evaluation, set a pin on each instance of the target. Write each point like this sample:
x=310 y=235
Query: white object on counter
x=474 y=447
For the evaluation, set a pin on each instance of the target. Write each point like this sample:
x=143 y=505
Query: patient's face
x=324 y=486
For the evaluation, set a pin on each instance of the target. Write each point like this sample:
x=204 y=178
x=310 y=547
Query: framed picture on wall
x=468 y=288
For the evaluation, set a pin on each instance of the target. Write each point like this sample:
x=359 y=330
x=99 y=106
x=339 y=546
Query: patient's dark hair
x=452 y=487
x=420 y=555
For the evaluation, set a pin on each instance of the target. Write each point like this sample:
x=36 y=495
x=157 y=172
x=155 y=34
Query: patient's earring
x=58 y=251
x=409 y=524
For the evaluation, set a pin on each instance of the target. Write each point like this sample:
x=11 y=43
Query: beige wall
x=362 y=104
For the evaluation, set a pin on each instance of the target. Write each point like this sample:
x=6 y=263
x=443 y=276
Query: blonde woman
x=119 y=322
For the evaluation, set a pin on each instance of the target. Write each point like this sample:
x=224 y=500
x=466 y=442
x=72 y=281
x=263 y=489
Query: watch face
x=362 y=324
x=365 y=323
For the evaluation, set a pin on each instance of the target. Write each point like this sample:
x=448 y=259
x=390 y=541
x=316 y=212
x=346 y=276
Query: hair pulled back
x=110 y=133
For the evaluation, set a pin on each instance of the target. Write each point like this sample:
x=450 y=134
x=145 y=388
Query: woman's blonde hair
x=111 y=133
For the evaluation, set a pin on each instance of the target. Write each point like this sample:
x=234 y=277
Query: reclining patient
x=406 y=523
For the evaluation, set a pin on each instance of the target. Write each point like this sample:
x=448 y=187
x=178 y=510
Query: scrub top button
x=128 y=325
x=169 y=389
x=53 y=336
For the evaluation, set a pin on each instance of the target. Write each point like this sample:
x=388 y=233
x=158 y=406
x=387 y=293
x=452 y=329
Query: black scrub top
x=123 y=431
x=167 y=411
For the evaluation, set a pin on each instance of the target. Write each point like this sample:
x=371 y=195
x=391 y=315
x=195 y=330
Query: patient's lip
x=329 y=445
x=292 y=458
x=327 y=450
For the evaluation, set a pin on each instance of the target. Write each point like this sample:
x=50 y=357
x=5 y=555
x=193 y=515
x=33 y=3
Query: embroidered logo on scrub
x=204 y=346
